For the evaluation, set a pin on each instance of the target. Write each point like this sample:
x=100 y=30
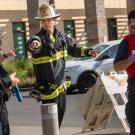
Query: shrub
x=23 y=68
x=9 y=66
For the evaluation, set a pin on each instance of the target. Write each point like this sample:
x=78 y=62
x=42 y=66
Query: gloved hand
x=92 y=53
x=35 y=44
x=132 y=58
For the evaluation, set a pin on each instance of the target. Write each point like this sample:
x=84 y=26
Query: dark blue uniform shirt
x=122 y=52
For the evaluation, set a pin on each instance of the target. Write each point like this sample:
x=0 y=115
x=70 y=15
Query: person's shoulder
x=123 y=42
x=39 y=33
x=126 y=37
x=123 y=45
x=62 y=34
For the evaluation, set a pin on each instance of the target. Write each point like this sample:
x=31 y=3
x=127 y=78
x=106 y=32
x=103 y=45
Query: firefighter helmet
x=45 y=12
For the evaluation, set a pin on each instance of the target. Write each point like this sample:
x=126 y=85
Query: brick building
x=107 y=21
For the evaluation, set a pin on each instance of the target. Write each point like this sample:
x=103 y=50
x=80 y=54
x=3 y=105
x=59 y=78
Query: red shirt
x=131 y=50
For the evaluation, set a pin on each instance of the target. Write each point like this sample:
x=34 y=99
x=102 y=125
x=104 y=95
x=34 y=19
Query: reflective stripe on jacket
x=56 y=92
x=47 y=59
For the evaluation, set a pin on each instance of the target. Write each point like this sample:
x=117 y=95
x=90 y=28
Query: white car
x=84 y=71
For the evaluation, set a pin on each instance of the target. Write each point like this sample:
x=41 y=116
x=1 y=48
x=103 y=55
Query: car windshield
x=98 y=48
x=109 y=53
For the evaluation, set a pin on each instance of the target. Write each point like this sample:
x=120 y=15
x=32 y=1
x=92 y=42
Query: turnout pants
x=130 y=106
x=61 y=102
x=4 y=122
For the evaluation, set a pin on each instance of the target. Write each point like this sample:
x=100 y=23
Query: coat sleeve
x=5 y=80
x=74 y=49
x=32 y=50
x=122 y=52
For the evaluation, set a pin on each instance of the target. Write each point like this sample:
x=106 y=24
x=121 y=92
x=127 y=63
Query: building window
x=19 y=39
x=112 y=28
x=69 y=28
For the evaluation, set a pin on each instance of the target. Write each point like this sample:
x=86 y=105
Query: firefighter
x=5 y=82
x=125 y=60
x=49 y=48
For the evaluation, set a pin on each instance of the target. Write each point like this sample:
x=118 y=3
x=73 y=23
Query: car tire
x=71 y=89
x=85 y=81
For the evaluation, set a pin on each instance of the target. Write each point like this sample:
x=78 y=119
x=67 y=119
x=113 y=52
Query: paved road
x=27 y=114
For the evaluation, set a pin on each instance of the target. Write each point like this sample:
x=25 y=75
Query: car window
x=109 y=53
x=100 y=48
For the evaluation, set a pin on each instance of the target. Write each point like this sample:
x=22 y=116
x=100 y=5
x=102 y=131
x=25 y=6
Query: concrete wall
x=73 y=10
x=78 y=16
x=16 y=11
x=13 y=5
x=115 y=4
x=6 y=19
x=117 y=9
x=12 y=11
x=69 y=4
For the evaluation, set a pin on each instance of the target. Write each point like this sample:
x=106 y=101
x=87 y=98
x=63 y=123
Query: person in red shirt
x=125 y=60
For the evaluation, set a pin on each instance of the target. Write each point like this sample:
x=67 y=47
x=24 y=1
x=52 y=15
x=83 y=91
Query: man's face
x=48 y=24
x=132 y=26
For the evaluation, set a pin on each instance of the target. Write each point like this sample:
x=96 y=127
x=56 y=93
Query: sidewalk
x=36 y=130
x=25 y=119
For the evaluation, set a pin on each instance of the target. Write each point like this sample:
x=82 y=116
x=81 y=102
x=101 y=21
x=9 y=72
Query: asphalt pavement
x=25 y=119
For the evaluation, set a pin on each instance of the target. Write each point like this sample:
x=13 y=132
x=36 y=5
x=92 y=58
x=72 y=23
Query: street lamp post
x=32 y=6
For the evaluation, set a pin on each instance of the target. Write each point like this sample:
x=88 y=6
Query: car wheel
x=86 y=80
x=71 y=89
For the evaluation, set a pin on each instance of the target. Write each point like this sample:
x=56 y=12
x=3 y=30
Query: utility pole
x=32 y=7
x=95 y=21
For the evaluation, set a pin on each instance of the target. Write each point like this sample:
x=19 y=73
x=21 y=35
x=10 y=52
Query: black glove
x=91 y=52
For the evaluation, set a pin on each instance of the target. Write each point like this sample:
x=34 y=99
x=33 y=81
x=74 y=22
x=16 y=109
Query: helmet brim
x=42 y=18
